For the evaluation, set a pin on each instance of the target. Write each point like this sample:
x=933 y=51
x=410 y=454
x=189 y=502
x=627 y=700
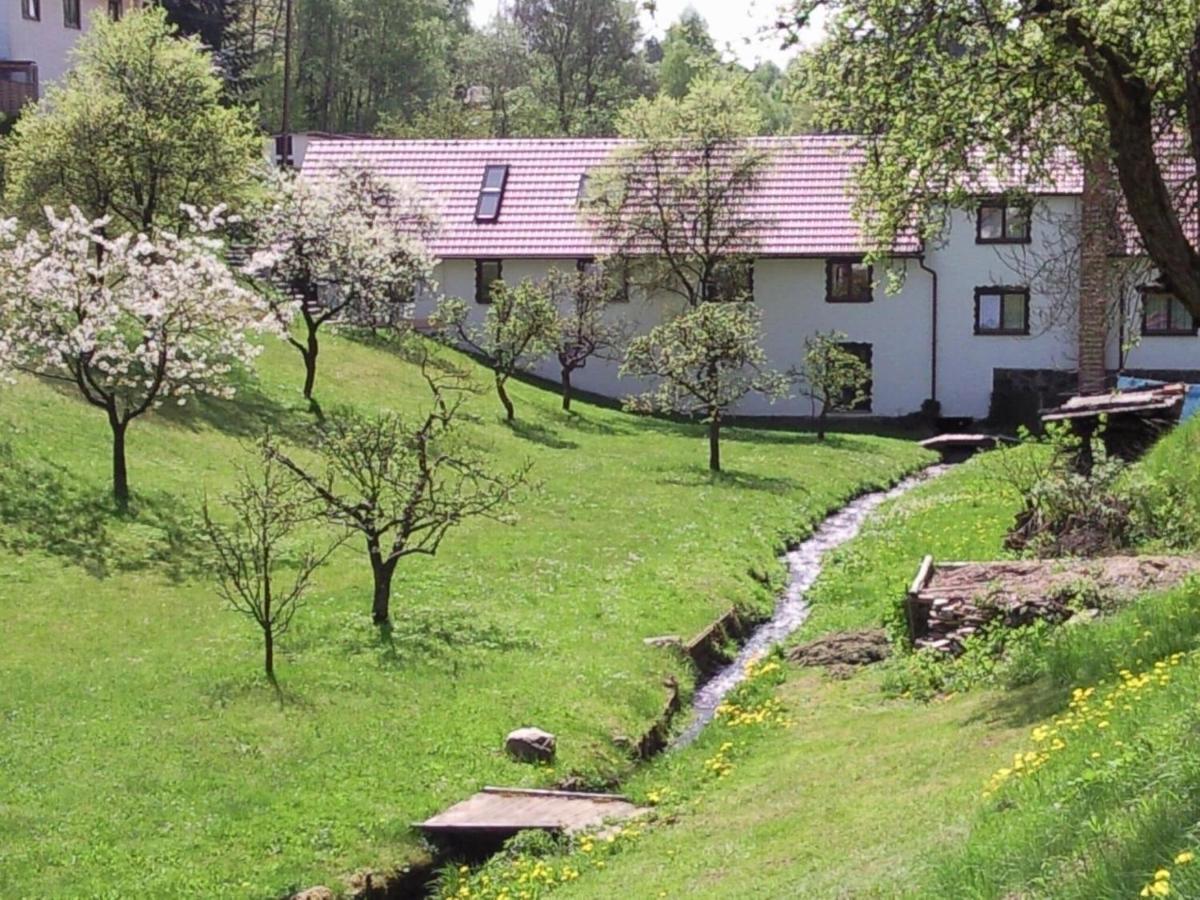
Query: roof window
x=491 y=193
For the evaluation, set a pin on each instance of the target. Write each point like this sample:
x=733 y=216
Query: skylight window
x=491 y=193
x=582 y=191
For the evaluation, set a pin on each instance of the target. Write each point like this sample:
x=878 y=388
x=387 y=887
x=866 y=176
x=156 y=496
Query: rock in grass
x=320 y=892
x=531 y=745
x=666 y=640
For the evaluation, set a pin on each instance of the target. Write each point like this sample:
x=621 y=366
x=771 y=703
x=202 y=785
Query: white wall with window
x=46 y=31
x=984 y=274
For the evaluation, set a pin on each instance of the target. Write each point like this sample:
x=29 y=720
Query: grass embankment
x=1083 y=782
x=142 y=753
x=961 y=515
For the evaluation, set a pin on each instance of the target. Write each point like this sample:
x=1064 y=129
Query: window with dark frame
x=72 y=16
x=491 y=193
x=1164 y=315
x=865 y=353
x=581 y=191
x=487 y=272
x=1001 y=221
x=1002 y=310
x=731 y=281
x=849 y=281
x=115 y=8
x=32 y=10
x=618 y=275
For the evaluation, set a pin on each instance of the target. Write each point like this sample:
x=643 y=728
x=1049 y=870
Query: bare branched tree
x=403 y=483
x=519 y=328
x=586 y=327
x=252 y=552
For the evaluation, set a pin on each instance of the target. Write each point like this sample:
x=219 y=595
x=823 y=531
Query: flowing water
x=804 y=565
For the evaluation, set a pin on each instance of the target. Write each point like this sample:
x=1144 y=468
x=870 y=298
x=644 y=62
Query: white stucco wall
x=47 y=42
x=791 y=295
x=966 y=360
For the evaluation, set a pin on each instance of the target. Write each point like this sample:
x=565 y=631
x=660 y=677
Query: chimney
x=1097 y=210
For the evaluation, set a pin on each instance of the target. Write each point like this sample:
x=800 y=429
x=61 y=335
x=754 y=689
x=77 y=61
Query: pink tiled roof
x=803 y=198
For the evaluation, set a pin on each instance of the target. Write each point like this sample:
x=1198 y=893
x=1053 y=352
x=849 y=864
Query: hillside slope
x=141 y=752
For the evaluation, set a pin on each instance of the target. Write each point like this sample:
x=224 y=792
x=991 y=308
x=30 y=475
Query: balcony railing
x=18 y=85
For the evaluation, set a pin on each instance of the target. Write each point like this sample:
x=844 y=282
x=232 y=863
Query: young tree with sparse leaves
x=706 y=359
x=136 y=131
x=353 y=247
x=403 y=483
x=676 y=198
x=587 y=328
x=951 y=95
x=254 y=546
x=519 y=328
x=832 y=377
x=132 y=321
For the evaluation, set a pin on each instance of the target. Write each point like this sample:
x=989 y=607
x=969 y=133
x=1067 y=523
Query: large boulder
x=531 y=745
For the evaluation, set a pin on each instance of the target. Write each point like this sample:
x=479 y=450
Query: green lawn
x=142 y=754
x=963 y=514
x=853 y=799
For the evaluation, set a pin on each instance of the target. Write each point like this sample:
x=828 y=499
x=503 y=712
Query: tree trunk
x=269 y=652
x=310 y=361
x=821 y=424
x=382 y=571
x=714 y=442
x=119 y=469
x=509 y=411
x=566 y=389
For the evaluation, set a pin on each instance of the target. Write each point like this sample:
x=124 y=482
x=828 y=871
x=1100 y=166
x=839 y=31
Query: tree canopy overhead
x=136 y=131
x=946 y=91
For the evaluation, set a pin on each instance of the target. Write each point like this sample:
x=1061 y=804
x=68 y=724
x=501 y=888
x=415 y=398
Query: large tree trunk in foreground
x=381 y=571
x=510 y=411
x=269 y=653
x=566 y=389
x=310 y=352
x=119 y=470
x=714 y=442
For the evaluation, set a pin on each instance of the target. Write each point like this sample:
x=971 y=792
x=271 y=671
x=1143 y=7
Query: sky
x=742 y=28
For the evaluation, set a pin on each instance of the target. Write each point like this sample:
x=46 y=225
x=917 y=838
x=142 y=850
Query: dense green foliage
x=144 y=755
x=962 y=93
x=136 y=129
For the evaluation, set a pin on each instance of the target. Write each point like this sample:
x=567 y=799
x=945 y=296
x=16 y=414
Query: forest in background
x=421 y=69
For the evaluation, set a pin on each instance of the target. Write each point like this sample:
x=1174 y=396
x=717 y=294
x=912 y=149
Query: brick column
x=1097 y=209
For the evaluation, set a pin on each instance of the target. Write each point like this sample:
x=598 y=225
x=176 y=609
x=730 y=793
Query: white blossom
x=132 y=320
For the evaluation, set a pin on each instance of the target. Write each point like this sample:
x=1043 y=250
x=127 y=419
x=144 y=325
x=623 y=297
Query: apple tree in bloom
x=133 y=321
x=8 y=301
x=351 y=248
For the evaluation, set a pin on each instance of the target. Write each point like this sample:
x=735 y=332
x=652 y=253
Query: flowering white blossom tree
x=8 y=301
x=353 y=247
x=131 y=321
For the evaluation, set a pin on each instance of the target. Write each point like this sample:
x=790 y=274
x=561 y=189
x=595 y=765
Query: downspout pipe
x=933 y=340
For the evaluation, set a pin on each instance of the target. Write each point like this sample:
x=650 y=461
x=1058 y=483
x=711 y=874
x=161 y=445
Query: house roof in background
x=804 y=197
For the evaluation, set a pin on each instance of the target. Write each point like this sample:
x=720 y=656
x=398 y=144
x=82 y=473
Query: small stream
x=804 y=566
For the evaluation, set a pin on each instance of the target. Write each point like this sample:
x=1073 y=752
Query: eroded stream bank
x=804 y=564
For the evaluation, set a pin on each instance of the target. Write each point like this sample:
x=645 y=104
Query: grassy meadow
x=1075 y=774
x=143 y=754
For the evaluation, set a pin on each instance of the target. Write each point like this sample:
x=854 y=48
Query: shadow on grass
x=44 y=509
x=540 y=434
x=452 y=636
x=247 y=415
x=1024 y=706
x=733 y=479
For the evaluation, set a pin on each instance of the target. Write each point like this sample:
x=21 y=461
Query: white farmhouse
x=985 y=319
x=36 y=40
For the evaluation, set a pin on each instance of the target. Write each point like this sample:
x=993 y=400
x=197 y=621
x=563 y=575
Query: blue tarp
x=1191 y=405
